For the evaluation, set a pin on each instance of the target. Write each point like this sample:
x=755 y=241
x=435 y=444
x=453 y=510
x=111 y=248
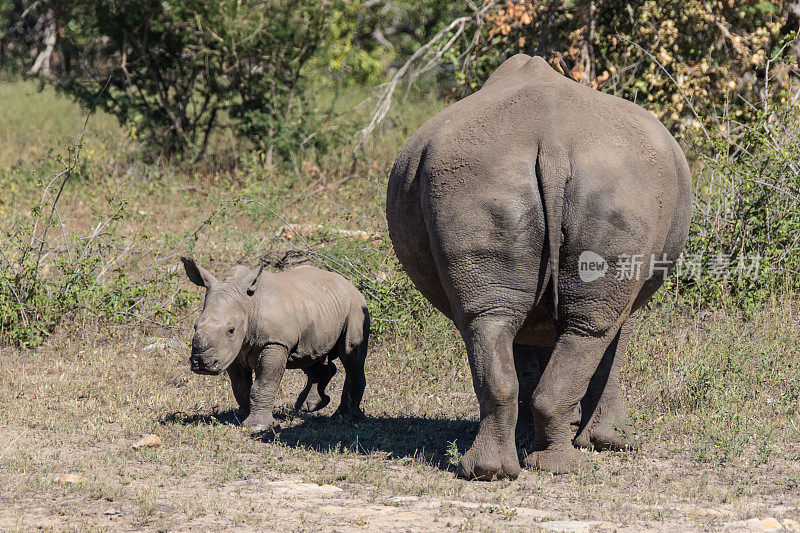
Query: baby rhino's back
x=328 y=289
x=324 y=305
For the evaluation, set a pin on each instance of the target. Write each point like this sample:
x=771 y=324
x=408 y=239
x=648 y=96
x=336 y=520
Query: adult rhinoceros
x=533 y=212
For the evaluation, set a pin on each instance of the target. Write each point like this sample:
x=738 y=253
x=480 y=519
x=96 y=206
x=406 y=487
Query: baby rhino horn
x=197 y=274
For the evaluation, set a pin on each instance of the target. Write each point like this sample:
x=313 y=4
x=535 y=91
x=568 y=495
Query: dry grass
x=79 y=403
x=34 y=121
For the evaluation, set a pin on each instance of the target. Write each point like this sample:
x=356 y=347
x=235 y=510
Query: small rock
x=154 y=346
x=71 y=479
x=568 y=526
x=111 y=511
x=150 y=441
x=767 y=524
x=791 y=525
x=293 y=488
x=175 y=343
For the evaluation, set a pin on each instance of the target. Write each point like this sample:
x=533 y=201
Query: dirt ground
x=79 y=404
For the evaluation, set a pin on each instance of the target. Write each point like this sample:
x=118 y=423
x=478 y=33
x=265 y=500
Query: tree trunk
x=587 y=51
x=42 y=63
x=793 y=25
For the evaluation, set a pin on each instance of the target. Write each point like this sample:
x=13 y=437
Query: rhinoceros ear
x=250 y=280
x=197 y=274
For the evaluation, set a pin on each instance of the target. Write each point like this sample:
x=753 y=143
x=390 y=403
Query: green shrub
x=745 y=232
x=716 y=50
x=175 y=71
x=49 y=275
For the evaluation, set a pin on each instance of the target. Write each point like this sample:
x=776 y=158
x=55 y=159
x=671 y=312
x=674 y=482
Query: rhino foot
x=316 y=403
x=241 y=415
x=258 y=422
x=558 y=461
x=607 y=435
x=482 y=465
x=354 y=414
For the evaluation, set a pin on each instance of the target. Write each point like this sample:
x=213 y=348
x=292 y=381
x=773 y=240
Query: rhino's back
x=331 y=292
x=307 y=308
x=523 y=104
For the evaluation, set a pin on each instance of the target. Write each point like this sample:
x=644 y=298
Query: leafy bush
x=178 y=70
x=746 y=223
x=48 y=275
x=678 y=58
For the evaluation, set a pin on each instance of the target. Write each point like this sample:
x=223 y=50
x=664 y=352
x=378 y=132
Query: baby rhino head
x=222 y=326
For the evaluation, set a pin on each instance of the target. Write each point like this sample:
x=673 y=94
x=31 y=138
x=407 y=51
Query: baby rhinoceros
x=259 y=322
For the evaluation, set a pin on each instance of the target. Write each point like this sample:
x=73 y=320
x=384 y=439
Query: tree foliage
x=682 y=59
x=175 y=70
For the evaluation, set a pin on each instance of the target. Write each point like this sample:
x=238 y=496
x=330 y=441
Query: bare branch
x=434 y=55
x=25 y=13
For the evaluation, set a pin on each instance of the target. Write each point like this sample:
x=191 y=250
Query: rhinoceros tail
x=552 y=171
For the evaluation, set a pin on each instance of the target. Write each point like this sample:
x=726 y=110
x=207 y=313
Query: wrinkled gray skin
x=490 y=204
x=258 y=322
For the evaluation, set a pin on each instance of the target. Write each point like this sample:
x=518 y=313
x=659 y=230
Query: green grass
x=35 y=121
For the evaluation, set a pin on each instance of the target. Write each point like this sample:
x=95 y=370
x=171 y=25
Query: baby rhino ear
x=197 y=274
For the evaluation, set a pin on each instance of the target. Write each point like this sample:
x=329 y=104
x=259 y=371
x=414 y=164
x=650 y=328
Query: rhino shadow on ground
x=399 y=438
x=227 y=417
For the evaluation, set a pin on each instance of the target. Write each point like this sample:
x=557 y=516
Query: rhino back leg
x=313 y=396
x=489 y=250
x=608 y=426
x=352 y=347
x=612 y=216
x=604 y=421
x=489 y=342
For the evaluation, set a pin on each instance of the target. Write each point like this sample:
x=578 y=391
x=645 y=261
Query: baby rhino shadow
x=434 y=440
x=230 y=417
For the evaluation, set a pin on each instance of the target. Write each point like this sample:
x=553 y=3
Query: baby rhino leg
x=313 y=397
x=353 y=354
